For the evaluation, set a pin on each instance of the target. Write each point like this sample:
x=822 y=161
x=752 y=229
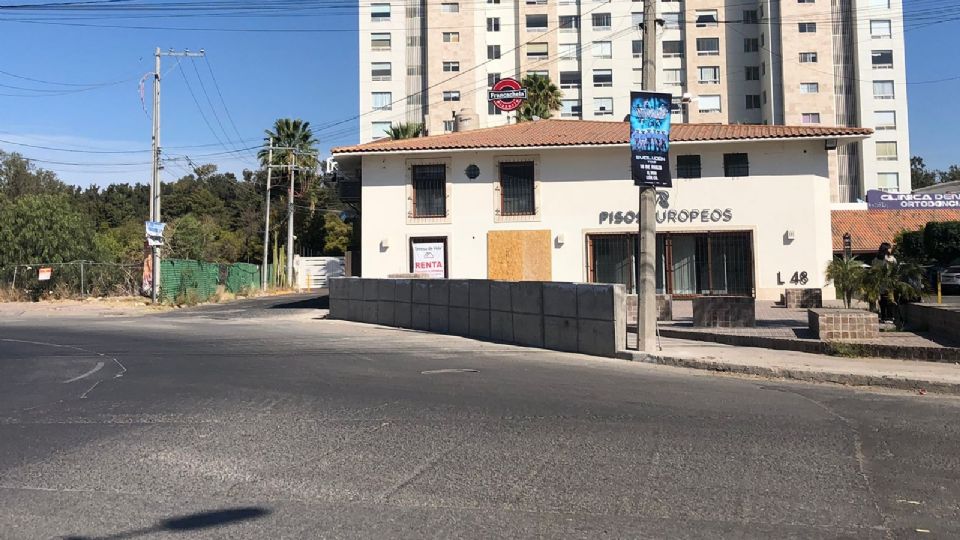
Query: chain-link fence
x=74 y=279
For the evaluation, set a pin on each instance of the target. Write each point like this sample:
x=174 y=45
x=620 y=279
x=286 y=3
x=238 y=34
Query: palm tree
x=847 y=275
x=405 y=131
x=291 y=137
x=895 y=282
x=543 y=98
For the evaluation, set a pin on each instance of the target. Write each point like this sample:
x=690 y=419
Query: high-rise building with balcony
x=793 y=62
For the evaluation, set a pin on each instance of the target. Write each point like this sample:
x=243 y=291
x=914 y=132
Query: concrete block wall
x=843 y=324
x=941 y=320
x=572 y=317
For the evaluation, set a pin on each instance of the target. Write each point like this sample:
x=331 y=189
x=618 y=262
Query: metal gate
x=313 y=272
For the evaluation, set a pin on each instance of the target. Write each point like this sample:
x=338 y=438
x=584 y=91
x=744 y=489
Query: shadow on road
x=192 y=522
x=320 y=302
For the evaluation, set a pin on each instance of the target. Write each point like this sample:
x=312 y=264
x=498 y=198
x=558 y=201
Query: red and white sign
x=429 y=259
x=507 y=94
x=45 y=273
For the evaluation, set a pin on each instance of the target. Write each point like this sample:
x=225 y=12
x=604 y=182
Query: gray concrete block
x=354 y=288
x=596 y=301
x=560 y=333
x=528 y=329
x=479 y=294
x=420 y=316
x=386 y=290
x=597 y=337
x=500 y=296
x=368 y=313
x=526 y=297
x=401 y=315
x=370 y=288
x=338 y=308
x=459 y=293
x=403 y=290
x=337 y=287
x=480 y=323
x=439 y=292
x=501 y=326
x=560 y=299
x=459 y=321
x=385 y=313
x=354 y=310
x=420 y=291
x=439 y=319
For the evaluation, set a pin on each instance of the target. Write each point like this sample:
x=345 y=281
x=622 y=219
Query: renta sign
x=668 y=215
x=897 y=201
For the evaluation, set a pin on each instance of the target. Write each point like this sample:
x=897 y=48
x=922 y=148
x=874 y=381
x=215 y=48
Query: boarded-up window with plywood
x=429 y=190
x=519 y=255
x=516 y=189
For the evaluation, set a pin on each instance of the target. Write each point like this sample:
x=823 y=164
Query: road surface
x=258 y=419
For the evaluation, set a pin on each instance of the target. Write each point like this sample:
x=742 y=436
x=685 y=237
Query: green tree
x=941 y=240
x=405 y=131
x=908 y=247
x=543 y=98
x=847 y=276
x=294 y=137
x=899 y=283
x=44 y=229
x=920 y=176
x=18 y=177
x=338 y=235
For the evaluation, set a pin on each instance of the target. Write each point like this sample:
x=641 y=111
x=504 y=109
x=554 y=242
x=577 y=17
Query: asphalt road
x=259 y=420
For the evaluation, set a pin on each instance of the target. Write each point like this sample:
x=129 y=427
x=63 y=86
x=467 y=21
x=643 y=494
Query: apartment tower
x=792 y=62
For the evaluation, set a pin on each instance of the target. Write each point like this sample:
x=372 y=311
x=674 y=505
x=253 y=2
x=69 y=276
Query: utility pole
x=293 y=168
x=155 y=180
x=647 y=261
x=266 y=220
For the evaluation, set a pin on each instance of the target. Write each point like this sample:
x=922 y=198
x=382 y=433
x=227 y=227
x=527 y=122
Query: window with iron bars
x=429 y=190
x=736 y=165
x=517 y=189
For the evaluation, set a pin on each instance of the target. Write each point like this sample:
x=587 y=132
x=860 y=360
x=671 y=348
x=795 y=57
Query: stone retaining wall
x=803 y=298
x=724 y=311
x=573 y=317
x=843 y=324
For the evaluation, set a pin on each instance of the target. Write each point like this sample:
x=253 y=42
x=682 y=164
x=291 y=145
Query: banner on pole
x=650 y=139
x=154 y=231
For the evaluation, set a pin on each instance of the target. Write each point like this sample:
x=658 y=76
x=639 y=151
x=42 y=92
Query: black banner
x=650 y=139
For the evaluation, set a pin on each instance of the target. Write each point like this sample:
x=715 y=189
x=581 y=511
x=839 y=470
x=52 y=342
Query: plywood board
x=519 y=255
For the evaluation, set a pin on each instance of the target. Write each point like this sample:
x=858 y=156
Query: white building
x=749 y=213
x=751 y=62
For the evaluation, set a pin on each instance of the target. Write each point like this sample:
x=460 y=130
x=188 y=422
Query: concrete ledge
x=792 y=374
x=724 y=311
x=479 y=294
x=459 y=293
x=866 y=350
x=420 y=291
x=560 y=299
x=439 y=292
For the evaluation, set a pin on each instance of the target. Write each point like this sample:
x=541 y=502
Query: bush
x=910 y=247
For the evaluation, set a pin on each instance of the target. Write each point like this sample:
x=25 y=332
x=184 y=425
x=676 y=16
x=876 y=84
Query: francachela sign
x=507 y=94
x=650 y=139
x=882 y=200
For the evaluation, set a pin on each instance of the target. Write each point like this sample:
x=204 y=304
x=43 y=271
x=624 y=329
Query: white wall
x=788 y=190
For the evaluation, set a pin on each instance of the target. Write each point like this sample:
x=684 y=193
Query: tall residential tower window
x=379 y=12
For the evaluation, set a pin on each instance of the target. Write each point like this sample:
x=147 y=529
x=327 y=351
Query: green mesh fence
x=180 y=278
x=241 y=276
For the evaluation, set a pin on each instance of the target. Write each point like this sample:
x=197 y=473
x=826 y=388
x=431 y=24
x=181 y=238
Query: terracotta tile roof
x=592 y=132
x=869 y=228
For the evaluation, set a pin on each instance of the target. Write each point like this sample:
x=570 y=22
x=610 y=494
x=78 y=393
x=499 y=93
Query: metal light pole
x=647 y=233
x=293 y=168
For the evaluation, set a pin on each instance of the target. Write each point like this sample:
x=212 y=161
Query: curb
x=845 y=379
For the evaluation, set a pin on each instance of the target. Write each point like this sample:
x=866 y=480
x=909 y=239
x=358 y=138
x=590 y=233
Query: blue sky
x=263 y=76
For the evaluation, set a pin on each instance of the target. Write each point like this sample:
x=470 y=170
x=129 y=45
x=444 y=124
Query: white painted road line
x=95 y=369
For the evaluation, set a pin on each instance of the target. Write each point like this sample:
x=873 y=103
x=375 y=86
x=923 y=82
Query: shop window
x=688 y=166
x=517 y=188
x=736 y=165
x=429 y=184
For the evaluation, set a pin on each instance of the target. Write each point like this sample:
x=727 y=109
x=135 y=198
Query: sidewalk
x=899 y=374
